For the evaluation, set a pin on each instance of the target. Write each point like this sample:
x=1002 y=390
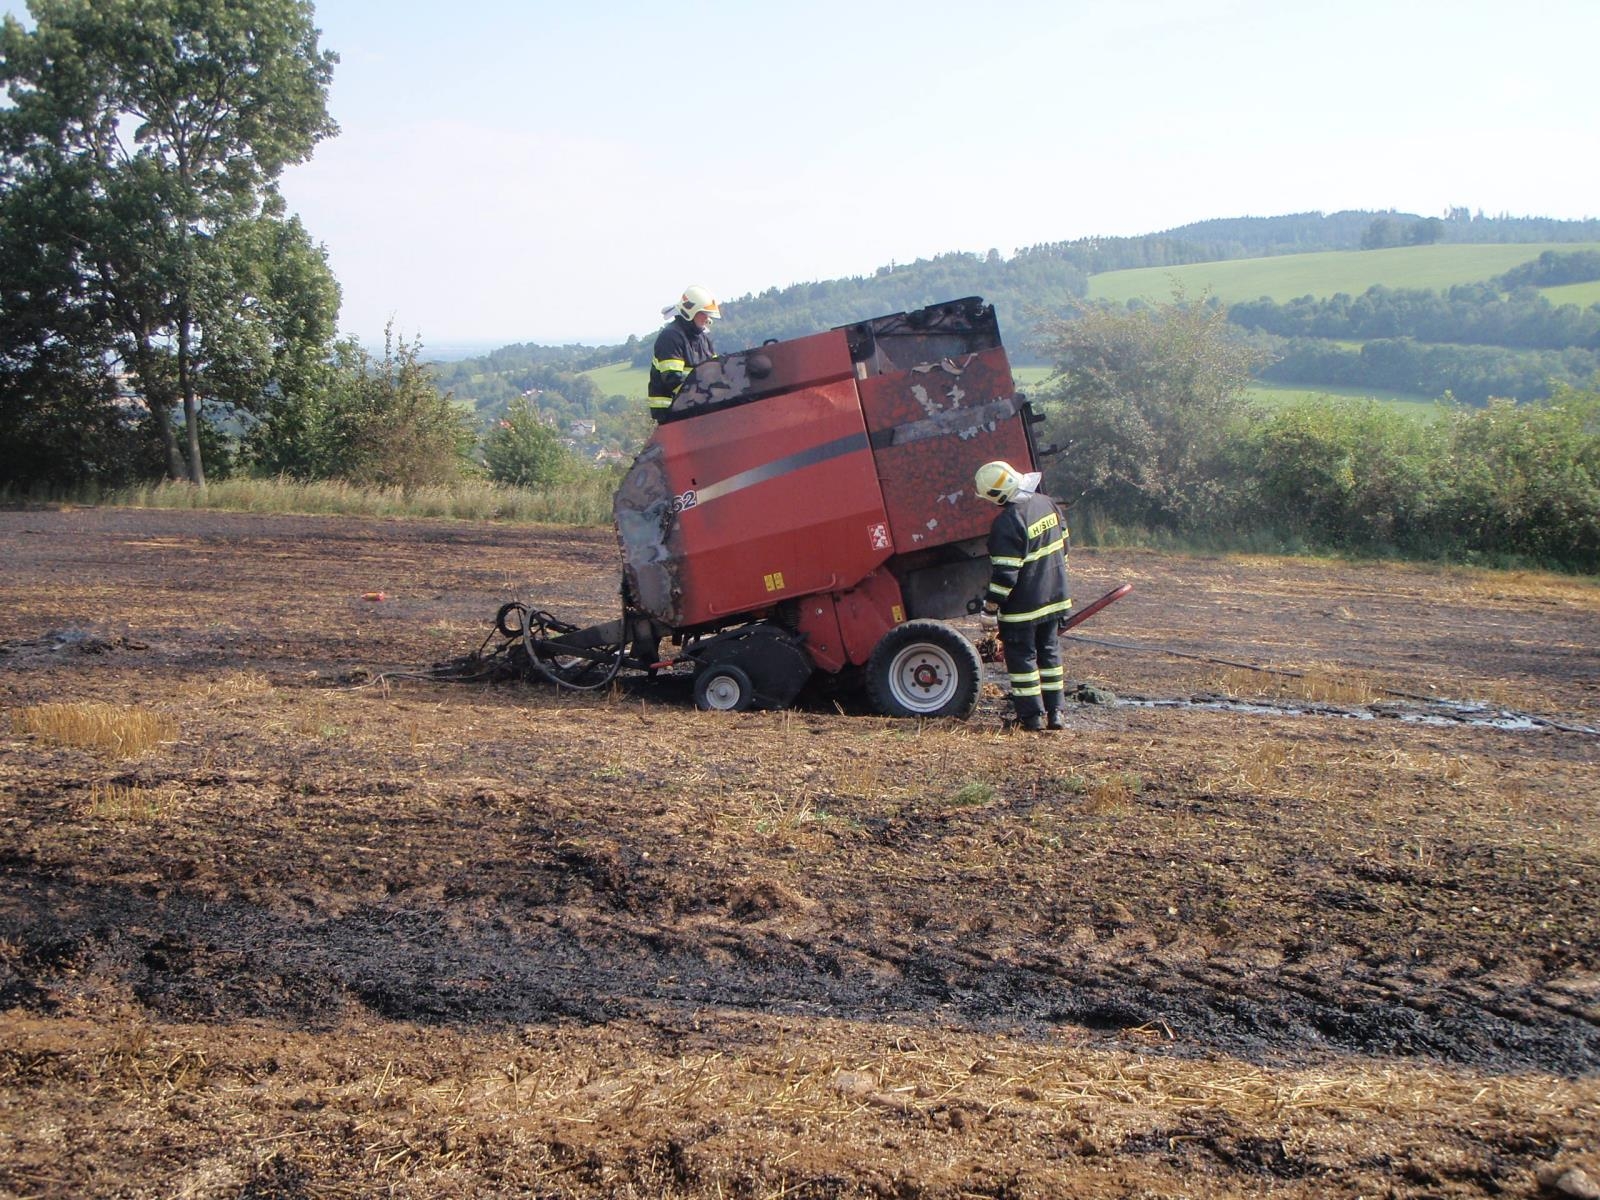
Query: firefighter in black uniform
x=1027 y=593
x=683 y=344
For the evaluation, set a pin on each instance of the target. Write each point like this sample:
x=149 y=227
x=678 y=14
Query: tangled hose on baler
x=578 y=668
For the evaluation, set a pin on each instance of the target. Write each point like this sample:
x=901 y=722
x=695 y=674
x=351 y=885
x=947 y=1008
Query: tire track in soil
x=193 y=959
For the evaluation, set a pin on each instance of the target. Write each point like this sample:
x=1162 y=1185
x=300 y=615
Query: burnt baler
x=807 y=506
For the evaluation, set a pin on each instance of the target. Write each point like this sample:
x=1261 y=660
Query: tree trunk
x=191 y=405
x=160 y=406
x=191 y=419
x=161 y=414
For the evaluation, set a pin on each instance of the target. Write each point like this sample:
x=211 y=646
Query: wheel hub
x=722 y=693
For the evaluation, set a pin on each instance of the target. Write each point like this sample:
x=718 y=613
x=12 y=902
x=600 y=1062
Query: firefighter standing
x=683 y=344
x=1027 y=593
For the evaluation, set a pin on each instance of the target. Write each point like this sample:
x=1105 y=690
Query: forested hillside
x=1044 y=277
x=1488 y=331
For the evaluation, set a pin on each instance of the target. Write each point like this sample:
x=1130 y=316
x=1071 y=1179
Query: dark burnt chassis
x=745 y=664
x=588 y=658
x=761 y=656
x=764 y=663
x=759 y=660
x=770 y=658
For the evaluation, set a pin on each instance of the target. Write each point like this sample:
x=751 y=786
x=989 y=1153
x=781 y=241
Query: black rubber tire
x=924 y=669
x=723 y=687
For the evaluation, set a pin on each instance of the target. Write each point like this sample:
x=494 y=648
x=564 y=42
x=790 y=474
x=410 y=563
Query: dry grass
x=1517 y=588
x=120 y=802
x=229 y=689
x=1109 y=795
x=772 y=1108
x=670 y=867
x=1263 y=765
x=1313 y=686
x=586 y=502
x=116 y=731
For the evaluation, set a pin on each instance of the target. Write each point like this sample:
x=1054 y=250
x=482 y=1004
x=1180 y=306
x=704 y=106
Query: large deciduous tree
x=139 y=157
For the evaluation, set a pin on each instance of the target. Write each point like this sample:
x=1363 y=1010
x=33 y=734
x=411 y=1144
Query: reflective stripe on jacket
x=679 y=348
x=1028 y=561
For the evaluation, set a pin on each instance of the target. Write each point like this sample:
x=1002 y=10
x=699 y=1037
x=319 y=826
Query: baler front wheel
x=924 y=669
x=723 y=687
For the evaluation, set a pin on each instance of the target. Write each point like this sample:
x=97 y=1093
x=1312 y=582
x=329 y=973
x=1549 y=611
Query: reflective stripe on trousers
x=1033 y=662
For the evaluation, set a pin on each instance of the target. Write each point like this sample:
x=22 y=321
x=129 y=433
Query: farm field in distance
x=316 y=927
x=1270 y=395
x=1581 y=294
x=1286 y=277
x=620 y=379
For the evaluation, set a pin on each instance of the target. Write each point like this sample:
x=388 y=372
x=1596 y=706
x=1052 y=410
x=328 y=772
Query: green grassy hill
x=1581 y=294
x=1030 y=380
x=1285 y=277
x=620 y=379
x=1281 y=395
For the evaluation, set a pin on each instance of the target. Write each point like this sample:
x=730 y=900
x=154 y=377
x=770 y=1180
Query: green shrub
x=523 y=451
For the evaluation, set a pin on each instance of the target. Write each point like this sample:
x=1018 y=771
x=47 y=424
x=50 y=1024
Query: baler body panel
x=763 y=503
x=931 y=426
x=834 y=466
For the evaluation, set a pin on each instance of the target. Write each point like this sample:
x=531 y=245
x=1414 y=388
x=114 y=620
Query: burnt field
x=279 y=918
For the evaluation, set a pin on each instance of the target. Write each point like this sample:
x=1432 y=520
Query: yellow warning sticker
x=898 y=613
x=774 y=581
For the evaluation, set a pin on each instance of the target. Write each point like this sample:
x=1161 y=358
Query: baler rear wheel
x=723 y=687
x=924 y=669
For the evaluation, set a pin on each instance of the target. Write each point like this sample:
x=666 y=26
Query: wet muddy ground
x=342 y=930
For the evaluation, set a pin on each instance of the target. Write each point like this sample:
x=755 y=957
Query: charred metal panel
x=942 y=587
x=901 y=341
x=932 y=426
x=652 y=551
x=770 y=370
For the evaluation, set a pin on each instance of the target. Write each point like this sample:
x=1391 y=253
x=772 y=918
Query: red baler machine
x=807 y=507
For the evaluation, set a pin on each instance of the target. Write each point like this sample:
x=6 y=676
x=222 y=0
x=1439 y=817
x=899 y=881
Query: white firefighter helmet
x=696 y=300
x=997 y=482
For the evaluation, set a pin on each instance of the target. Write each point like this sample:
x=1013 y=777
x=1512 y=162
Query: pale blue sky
x=541 y=172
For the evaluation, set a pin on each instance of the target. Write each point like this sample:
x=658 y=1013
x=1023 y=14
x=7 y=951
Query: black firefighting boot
x=1030 y=713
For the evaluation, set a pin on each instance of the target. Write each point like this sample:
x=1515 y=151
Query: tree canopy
x=145 y=248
